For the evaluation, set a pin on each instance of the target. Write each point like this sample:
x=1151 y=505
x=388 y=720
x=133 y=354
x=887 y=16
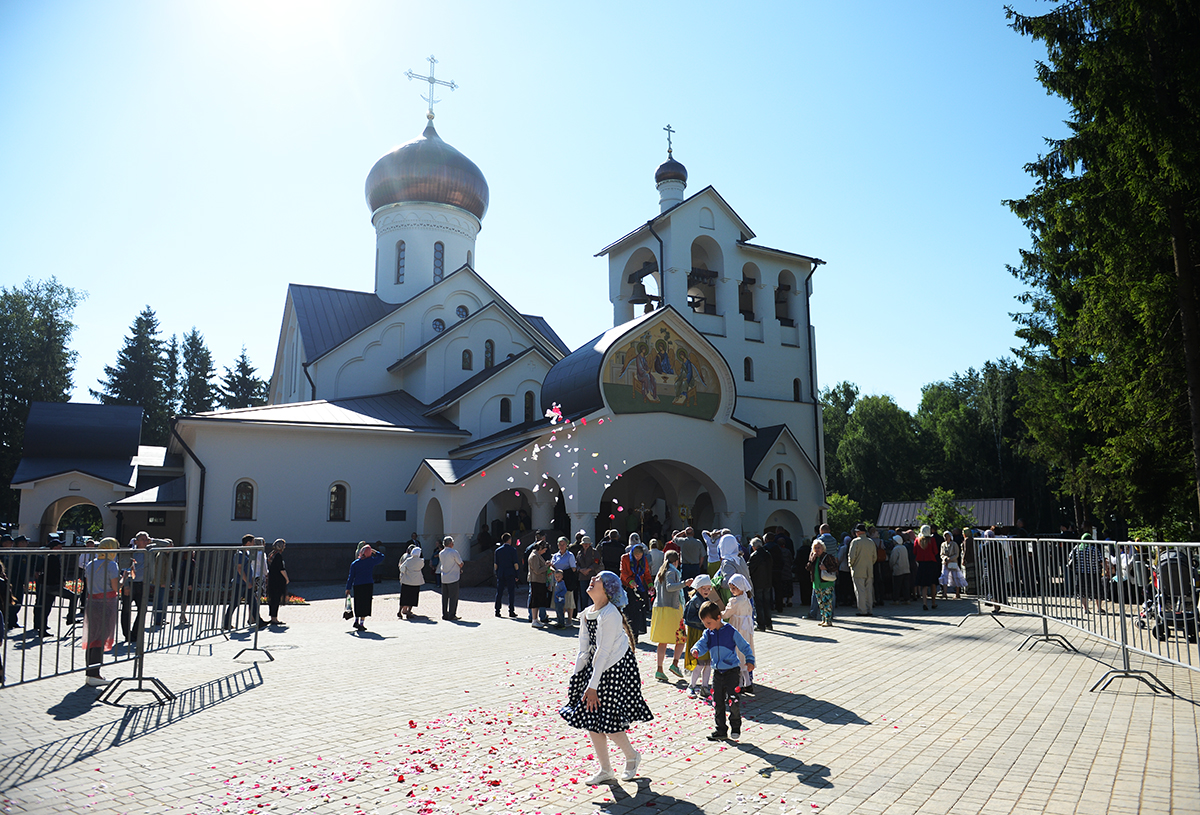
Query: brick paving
x=906 y=712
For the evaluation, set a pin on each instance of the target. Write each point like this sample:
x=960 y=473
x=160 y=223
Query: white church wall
x=421 y=226
x=479 y=410
x=293 y=470
x=360 y=368
x=68 y=490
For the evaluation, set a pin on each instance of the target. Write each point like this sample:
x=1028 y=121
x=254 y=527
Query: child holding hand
x=700 y=667
x=722 y=643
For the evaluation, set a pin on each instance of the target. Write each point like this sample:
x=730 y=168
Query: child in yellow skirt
x=667 y=612
x=693 y=629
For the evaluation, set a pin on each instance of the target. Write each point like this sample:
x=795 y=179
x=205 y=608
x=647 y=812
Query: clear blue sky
x=200 y=156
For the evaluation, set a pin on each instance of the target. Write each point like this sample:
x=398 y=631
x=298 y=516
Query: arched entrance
x=656 y=498
x=81 y=517
x=784 y=520
x=433 y=527
x=508 y=511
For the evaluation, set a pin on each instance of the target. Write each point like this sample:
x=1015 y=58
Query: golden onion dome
x=427 y=169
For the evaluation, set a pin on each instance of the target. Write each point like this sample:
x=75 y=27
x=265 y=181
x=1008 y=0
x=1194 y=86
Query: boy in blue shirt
x=559 y=593
x=722 y=642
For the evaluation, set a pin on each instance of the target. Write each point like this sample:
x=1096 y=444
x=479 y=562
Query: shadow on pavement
x=767 y=704
x=133 y=724
x=811 y=775
x=645 y=797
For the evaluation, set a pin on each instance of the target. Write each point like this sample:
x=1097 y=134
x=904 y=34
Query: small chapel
x=428 y=404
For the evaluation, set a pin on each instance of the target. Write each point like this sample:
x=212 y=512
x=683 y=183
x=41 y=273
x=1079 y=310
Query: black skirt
x=539 y=595
x=409 y=595
x=620 y=691
x=364 y=593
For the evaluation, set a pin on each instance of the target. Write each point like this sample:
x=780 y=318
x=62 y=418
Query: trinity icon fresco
x=656 y=372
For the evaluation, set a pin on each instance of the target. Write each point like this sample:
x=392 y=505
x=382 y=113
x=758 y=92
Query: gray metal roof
x=453 y=470
x=543 y=328
x=82 y=431
x=106 y=469
x=755 y=449
x=328 y=317
x=987 y=511
x=396 y=410
x=745 y=229
x=170 y=495
x=574 y=381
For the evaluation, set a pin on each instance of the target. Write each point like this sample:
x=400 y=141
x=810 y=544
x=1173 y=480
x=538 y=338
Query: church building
x=429 y=404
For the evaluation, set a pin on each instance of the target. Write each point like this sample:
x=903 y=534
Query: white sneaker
x=631 y=767
x=538 y=624
x=602 y=777
x=97 y=681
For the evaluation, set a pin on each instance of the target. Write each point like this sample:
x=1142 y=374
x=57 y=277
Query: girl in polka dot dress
x=605 y=693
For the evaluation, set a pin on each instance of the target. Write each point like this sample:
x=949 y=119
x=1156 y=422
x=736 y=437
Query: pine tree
x=240 y=388
x=140 y=378
x=171 y=383
x=35 y=365
x=199 y=392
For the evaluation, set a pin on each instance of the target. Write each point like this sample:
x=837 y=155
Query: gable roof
x=96 y=440
x=454 y=470
x=755 y=448
x=543 y=328
x=396 y=410
x=414 y=354
x=710 y=191
x=328 y=317
x=453 y=395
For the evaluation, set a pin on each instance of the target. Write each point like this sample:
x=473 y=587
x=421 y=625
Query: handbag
x=349 y=612
x=827 y=575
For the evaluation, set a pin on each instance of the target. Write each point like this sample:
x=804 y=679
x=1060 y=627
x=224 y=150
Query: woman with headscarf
x=605 y=692
x=361 y=581
x=732 y=563
x=740 y=614
x=927 y=553
x=411 y=579
x=952 y=574
x=636 y=577
x=102 y=609
x=277 y=580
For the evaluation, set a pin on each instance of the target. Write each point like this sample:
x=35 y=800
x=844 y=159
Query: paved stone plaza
x=903 y=713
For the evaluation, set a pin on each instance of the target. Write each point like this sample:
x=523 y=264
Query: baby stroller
x=1171 y=608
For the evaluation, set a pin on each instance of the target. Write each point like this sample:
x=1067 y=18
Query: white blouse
x=611 y=642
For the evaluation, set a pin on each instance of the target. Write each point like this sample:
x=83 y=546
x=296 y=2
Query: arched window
x=467 y=366
x=243 y=501
x=771 y=489
x=439 y=262
x=439 y=325
x=489 y=354
x=529 y=406
x=400 y=261
x=461 y=312
x=339 y=500
x=779 y=481
x=469 y=262
x=795 y=390
x=506 y=410
x=790 y=497
x=748 y=370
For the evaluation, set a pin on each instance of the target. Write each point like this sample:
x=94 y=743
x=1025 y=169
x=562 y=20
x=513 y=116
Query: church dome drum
x=427 y=169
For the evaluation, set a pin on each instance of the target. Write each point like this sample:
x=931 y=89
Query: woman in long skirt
x=361 y=582
x=100 y=614
x=605 y=693
x=412 y=577
x=952 y=574
x=277 y=580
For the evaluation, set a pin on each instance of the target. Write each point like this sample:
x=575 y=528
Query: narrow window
x=789 y=491
x=506 y=410
x=771 y=489
x=529 y=406
x=469 y=263
x=439 y=260
x=467 y=366
x=243 y=501
x=439 y=325
x=795 y=390
x=748 y=372
x=337 y=502
x=779 y=482
x=489 y=354
x=400 y=262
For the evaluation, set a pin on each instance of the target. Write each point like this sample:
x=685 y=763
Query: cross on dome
x=432 y=82
x=669 y=130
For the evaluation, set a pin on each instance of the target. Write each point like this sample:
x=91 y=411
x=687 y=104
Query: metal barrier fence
x=1140 y=597
x=168 y=597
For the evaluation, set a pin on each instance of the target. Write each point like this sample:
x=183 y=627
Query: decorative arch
x=786 y=298
x=633 y=267
x=708 y=265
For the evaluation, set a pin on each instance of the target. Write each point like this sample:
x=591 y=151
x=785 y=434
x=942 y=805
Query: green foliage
x=836 y=404
x=239 y=386
x=1175 y=530
x=199 y=391
x=140 y=377
x=844 y=513
x=879 y=453
x=84 y=519
x=35 y=365
x=1111 y=386
x=943 y=511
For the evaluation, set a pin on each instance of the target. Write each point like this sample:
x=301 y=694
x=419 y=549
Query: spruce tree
x=199 y=392
x=240 y=388
x=140 y=378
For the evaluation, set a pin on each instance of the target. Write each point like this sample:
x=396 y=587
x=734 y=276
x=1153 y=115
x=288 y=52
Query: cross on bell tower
x=669 y=130
x=432 y=83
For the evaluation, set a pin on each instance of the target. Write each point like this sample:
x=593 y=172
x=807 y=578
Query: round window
x=439 y=326
x=462 y=312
